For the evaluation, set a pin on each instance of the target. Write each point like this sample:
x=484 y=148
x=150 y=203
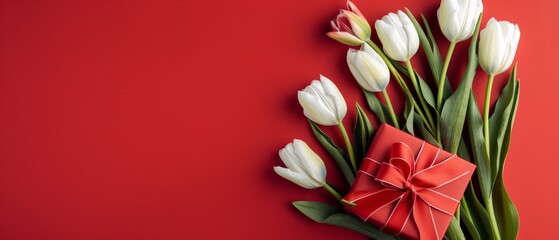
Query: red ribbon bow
x=412 y=184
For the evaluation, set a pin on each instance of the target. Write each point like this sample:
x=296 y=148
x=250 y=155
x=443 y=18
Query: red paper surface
x=162 y=119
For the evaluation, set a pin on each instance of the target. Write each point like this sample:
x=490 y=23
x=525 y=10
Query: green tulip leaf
x=426 y=92
x=473 y=214
x=338 y=154
x=316 y=211
x=477 y=143
x=409 y=113
x=431 y=50
x=379 y=108
x=454 y=230
x=423 y=86
x=375 y=106
x=401 y=68
x=466 y=212
x=324 y=213
x=427 y=46
x=359 y=139
x=437 y=61
x=467 y=219
x=351 y=222
x=478 y=214
x=499 y=123
x=362 y=133
x=432 y=43
x=426 y=135
x=508 y=131
x=463 y=151
x=505 y=211
x=454 y=109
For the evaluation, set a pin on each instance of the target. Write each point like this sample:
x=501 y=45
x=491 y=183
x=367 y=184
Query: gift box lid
x=408 y=187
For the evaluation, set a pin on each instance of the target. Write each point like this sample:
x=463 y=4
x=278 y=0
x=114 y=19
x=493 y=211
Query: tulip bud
x=497 y=46
x=350 y=26
x=458 y=18
x=304 y=167
x=398 y=36
x=322 y=102
x=368 y=68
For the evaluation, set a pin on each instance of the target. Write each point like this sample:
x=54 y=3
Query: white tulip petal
x=368 y=49
x=289 y=158
x=473 y=9
x=391 y=41
x=322 y=102
x=297 y=178
x=449 y=24
x=304 y=166
x=351 y=62
x=458 y=18
x=312 y=164
x=404 y=19
x=399 y=38
x=315 y=109
x=369 y=79
x=392 y=19
x=315 y=88
x=358 y=75
x=511 y=35
x=321 y=105
x=368 y=68
x=398 y=24
x=492 y=48
x=375 y=71
x=411 y=35
x=335 y=97
x=452 y=28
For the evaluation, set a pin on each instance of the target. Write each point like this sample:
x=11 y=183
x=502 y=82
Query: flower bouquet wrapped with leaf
x=435 y=170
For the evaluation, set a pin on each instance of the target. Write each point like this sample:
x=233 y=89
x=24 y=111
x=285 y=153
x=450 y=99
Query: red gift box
x=407 y=187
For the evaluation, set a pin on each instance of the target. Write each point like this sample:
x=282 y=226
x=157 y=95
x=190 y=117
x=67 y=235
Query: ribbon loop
x=402 y=158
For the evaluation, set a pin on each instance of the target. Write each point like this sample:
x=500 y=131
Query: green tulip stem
x=348 y=146
x=332 y=191
x=390 y=108
x=486 y=113
x=442 y=78
x=489 y=200
x=401 y=83
x=419 y=94
x=492 y=218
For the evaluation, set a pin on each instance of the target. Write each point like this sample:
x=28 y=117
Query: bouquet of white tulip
x=436 y=115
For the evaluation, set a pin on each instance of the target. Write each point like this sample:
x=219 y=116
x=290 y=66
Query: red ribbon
x=411 y=183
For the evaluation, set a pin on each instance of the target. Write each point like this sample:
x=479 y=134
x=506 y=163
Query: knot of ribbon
x=409 y=184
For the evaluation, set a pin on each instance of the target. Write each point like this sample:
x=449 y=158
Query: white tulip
x=322 y=102
x=497 y=46
x=458 y=18
x=398 y=36
x=368 y=68
x=304 y=167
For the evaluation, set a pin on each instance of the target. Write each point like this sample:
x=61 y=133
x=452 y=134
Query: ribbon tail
x=425 y=221
x=369 y=203
x=401 y=214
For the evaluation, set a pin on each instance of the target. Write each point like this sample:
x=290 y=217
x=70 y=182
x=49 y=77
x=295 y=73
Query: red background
x=162 y=119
